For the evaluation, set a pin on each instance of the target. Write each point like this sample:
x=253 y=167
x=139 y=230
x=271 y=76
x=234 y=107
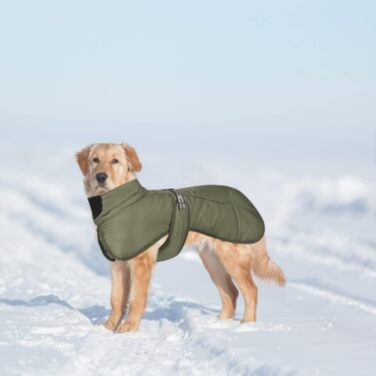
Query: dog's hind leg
x=119 y=293
x=227 y=290
x=237 y=262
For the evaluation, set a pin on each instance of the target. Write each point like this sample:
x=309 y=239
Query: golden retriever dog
x=105 y=167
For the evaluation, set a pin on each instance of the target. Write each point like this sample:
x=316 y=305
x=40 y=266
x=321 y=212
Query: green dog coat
x=131 y=218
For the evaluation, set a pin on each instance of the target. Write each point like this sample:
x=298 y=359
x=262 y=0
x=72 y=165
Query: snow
x=54 y=282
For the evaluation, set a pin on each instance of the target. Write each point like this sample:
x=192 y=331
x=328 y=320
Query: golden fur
x=226 y=262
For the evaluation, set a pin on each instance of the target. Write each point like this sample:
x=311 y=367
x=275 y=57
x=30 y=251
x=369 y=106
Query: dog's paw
x=226 y=316
x=248 y=320
x=109 y=324
x=126 y=327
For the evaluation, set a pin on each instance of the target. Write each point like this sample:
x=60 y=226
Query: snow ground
x=54 y=282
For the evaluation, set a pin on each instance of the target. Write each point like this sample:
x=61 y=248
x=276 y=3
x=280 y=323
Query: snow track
x=54 y=294
x=335 y=297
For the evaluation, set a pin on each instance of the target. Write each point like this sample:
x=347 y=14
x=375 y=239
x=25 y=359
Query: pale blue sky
x=296 y=76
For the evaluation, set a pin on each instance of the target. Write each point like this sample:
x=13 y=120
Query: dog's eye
x=96 y=160
x=114 y=161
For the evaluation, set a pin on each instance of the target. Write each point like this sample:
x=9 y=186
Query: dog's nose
x=101 y=177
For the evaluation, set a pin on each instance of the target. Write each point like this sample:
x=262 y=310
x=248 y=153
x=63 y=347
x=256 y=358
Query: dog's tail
x=263 y=266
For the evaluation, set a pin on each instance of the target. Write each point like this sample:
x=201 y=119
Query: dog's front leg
x=141 y=268
x=119 y=293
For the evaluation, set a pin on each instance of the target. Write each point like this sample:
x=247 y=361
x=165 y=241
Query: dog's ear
x=132 y=157
x=82 y=159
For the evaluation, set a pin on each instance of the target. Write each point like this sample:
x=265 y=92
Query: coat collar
x=125 y=194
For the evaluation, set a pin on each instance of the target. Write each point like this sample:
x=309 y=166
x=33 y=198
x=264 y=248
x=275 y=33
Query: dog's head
x=106 y=166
